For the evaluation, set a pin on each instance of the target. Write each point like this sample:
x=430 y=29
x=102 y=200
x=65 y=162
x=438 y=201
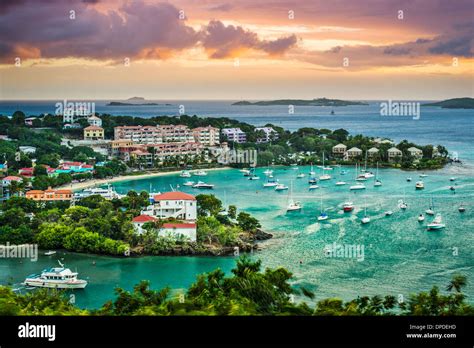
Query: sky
x=236 y=50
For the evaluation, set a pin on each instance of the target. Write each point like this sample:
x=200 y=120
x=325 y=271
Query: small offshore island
x=134 y=101
x=455 y=103
x=302 y=102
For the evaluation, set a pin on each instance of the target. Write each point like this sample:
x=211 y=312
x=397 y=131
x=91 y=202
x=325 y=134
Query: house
x=73 y=167
x=339 y=149
x=27 y=171
x=94 y=121
x=270 y=134
x=28 y=149
x=415 y=152
x=6 y=181
x=187 y=230
x=207 y=136
x=393 y=152
x=178 y=205
x=140 y=220
x=29 y=121
x=373 y=151
x=354 y=152
x=234 y=134
x=49 y=195
x=93 y=133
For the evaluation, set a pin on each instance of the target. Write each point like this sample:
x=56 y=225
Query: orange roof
x=32 y=192
x=93 y=128
x=64 y=191
x=143 y=218
x=174 y=196
x=179 y=225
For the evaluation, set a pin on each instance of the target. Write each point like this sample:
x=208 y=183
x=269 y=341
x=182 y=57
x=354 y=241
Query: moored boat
x=56 y=278
x=436 y=224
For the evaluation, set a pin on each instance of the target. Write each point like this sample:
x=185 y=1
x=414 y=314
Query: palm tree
x=457 y=283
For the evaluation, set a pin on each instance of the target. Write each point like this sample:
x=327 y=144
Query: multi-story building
x=93 y=133
x=175 y=204
x=49 y=195
x=354 y=152
x=373 y=151
x=234 y=134
x=154 y=134
x=415 y=152
x=208 y=136
x=115 y=146
x=270 y=134
x=339 y=149
x=393 y=153
x=95 y=121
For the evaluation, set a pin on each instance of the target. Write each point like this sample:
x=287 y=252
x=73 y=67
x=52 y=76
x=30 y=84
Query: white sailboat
x=377 y=182
x=420 y=185
x=281 y=187
x=300 y=176
x=322 y=214
x=311 y=171
x=366 y=218
x=436 y=224
x=270 y=183
x=324 y=176
x=185 y=174
x=421 y=218
x=430 y=210
x=292 y=205
x=402 y=204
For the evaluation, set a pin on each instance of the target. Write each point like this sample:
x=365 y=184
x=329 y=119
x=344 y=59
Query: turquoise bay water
x=400 y=255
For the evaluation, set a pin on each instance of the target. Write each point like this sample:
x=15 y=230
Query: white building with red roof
x=173 y=229
x=6 y=181
x=140 y=220
x=175 y=204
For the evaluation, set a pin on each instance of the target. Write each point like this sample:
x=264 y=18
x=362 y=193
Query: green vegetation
x=455 y=103
x=247 y=291
x=302 y=102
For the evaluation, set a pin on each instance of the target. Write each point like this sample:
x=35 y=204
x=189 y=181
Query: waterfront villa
x=234 y=134
x=178 y=205
x=93 y=133
x=393 y=153
x=372 y=152
x=173 y=229
x=415 y=152
x=207 y=136
x=49 y=195
x=354 y=152
x=140 y=220
x=270 y=134
x=339 y=149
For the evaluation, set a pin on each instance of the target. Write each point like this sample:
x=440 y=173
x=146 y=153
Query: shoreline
x=121 y=178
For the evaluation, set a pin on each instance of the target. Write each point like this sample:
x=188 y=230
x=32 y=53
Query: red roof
x=176 y=225
x=174 y=196
x=93 y=128
x=87 y=166
x=143 y=218
x=12 y=177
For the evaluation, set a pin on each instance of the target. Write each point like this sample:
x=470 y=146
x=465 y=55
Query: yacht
x=50 y=252
x=436 y=224
x=357 y=187
x=185 y=174
x=107 y=193
x=270 y=183
x=203 y=185
x=57 y=278
x=423 y=175
x=281 y=187
x=313 y=187
x=200 y=173
x=421 y=218
x=420 y=185
x=340 y=183
x=254 y=177
x=188 y=183
x=348 y=207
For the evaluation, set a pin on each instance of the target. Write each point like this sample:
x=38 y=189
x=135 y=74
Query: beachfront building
x=177 y=205
x=393 y=153
x=115 y=145
x=49 y=195
x=269 y=134
x=140 y=220
x=93 y=133
x=207 y=136
x=94 y=121
x=177 y=229
x=234 y=134
x=339 y=150
x=372 y=152
x=154 y=134
x=73 y=167
x=415 y=152
x=354 y=152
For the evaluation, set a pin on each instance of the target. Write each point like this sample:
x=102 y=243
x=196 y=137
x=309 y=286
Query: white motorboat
x=281 y=187
x=452 y=179
x=56 y=278
x=49 y=253
x=436 y=224
x=268 y=172
x=270 y=183
x=300 y=176
x=408 y=179
x=361 y=177
x=200 y=173
x=421 y=218
x=403 y=205
x=377 y=183
x=423 y=175
x=108 y=193
x=461 y=208
x=203 y=185
x=312 y=180
x=388 y=213
x=365 y=220
x=357 y=187
x=420 y=185
x=254 y=177
x=188 y=183
x=313 y=187
x=348 y=207
x=185 y=174
x=340 y=183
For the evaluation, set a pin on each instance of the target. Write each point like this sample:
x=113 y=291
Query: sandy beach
x=98 y=182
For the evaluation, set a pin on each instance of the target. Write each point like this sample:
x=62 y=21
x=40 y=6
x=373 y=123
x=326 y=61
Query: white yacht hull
x=40 y=283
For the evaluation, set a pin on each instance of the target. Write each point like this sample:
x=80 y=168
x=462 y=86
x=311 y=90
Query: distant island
x=455 y=103
x=134 y=101
x=302 y=102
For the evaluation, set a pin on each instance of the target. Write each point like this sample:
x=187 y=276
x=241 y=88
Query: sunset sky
x=241 y=49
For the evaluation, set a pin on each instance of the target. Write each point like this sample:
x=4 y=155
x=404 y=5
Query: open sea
x=400 y=255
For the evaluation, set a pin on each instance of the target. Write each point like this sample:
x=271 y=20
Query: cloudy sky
x=240 y=49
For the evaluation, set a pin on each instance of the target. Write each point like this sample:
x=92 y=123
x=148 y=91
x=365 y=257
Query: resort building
x=178 y=205
x=393 y=153
x=187 y=230
x=115 y=146
x=73 y=167
x=49 y=195
x=140 y=220
x=354 y=152
x=339 y=149
x=154 y=134
x=415 y=152
x=208 y=136
x=373 y=151
x=95 y=121
x=93 y=133
x=234 y=134
x=6 y=181
x=269 y=134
